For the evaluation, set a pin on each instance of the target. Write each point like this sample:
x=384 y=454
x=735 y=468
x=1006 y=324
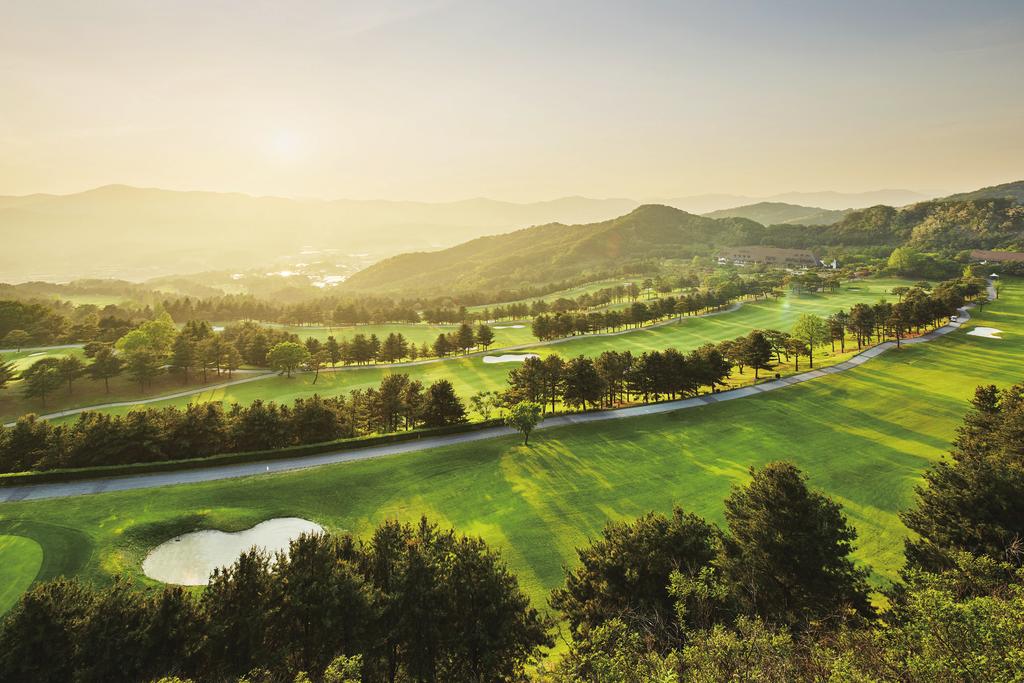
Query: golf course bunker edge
x=189 y=559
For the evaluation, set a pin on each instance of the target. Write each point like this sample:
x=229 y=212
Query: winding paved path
x=141 y=481
x=256 y=375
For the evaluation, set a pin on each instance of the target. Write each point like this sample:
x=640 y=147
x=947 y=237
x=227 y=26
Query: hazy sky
x=518 y=100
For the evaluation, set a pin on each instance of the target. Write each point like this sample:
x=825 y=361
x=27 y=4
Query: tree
x=484 y=402
x=333 y=349
x=524 y=416
x=465 y=339
x=42 y=378
x=183 y=355
x=582 y=384
x=143 y=366
x=756 y=351
x=105 y=365
x=70 y=369
x=17 y=339
x=315 y=361
x=786 y=554
x=811 y=330
x=231 y=359
x=285 y=357
x=442 y=406
x=974 y=501
x=484 y=336
x=625 y=574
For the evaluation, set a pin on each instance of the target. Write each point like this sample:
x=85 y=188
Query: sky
x=523 y=100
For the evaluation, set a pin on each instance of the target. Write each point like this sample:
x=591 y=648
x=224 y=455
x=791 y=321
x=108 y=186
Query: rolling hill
x=554 y=251
x=781 y=213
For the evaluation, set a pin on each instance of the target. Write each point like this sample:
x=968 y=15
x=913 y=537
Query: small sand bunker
x=510 y=358
x=509 y=327
x=987 y=332
x=188 y=560
x=218 y=328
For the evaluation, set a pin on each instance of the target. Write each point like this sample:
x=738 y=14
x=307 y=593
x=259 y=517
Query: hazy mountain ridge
x=159 y=232
x=775 y=213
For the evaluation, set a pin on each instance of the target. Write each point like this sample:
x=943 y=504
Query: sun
x=286 y=145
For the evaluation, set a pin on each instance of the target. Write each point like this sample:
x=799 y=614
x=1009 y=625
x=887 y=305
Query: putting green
x=863 y=437
x=20 y=559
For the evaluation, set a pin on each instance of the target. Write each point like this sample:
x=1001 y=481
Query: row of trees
x=201 y=430
x=615 y=377
x=25 y=324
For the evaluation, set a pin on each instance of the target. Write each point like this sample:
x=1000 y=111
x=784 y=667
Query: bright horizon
x=453 y=100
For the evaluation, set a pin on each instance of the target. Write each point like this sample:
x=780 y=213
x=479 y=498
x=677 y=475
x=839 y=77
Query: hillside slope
x=781 y=213
x=1013 y=191
x=555 y=251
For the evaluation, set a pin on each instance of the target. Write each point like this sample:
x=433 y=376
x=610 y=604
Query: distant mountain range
x=139 y=233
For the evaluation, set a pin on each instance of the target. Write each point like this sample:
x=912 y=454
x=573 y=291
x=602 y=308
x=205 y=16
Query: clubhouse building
x=772 y=256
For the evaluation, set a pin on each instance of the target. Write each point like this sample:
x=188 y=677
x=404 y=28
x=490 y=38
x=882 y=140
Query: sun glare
x=286 y=145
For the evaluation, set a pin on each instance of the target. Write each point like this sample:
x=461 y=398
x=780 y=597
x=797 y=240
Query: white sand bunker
x=510 y=358
x=987 y=332
x=509 y=327
x=189 y=559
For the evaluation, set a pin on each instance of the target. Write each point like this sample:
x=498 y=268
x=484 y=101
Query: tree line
x=205 y=429
x=773 y=595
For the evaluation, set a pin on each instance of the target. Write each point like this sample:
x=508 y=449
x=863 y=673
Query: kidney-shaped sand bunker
x=189 y=559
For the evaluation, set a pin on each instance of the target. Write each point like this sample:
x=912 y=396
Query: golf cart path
x=256 y=375
x=141 y=481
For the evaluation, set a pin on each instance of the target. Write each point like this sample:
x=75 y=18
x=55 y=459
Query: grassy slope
x=863 y=436
x=470 y=375
x=20 y=559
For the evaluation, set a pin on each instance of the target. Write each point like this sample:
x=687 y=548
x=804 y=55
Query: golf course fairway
x=863 y=436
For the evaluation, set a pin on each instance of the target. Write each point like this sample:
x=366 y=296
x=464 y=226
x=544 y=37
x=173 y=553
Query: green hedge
x=60 y=475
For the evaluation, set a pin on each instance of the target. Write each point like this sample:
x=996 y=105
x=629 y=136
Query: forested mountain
x=1013 y=191
x=137 y=233
x=940 y=225
x=779 y=213
x=555 y=251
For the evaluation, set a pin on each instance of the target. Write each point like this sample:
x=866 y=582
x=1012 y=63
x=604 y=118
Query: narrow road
x=141 y=481
x=256 y=375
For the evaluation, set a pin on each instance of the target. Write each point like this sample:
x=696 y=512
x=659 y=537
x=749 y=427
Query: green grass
x=864 y=437
x=23 y=359
x=470 y=375
x=20 y=559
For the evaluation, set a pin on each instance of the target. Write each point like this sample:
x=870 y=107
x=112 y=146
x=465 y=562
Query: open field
x=864 y=437
x=471 y=374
